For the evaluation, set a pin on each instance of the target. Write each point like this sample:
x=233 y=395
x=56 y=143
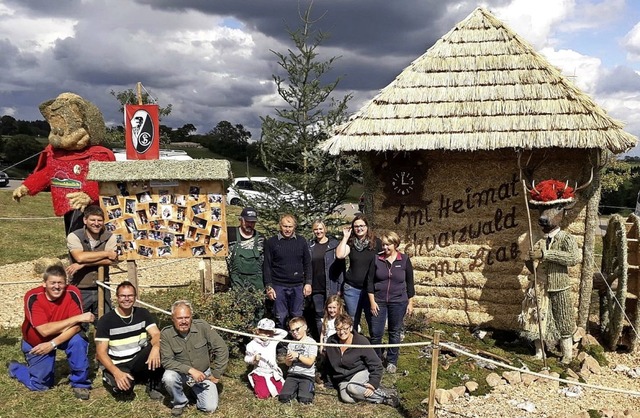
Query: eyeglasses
x=359 y=226
x=126 y=296
x=297 y=329
x=344 y=329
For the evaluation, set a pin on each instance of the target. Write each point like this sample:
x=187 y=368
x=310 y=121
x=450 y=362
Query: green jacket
x=180 y=354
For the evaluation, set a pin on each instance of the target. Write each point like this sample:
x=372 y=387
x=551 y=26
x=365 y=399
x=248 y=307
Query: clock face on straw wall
x=403 y=182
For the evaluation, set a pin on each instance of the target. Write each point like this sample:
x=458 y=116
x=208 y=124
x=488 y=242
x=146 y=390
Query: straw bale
x=195 y=170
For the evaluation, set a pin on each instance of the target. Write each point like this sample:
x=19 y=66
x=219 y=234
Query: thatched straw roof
x=480 y=87
x=195 y=170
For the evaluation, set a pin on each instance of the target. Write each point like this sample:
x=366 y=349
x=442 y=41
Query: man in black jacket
x=287 y=271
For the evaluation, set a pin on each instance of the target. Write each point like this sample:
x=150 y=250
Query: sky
x=213 y=60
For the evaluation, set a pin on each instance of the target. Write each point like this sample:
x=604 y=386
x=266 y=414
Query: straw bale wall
x=462 y=218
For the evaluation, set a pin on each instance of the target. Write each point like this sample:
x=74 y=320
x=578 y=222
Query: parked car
x=262 y=190
x=4 y=179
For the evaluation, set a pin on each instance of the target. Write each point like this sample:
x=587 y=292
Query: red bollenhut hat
x=551 y=192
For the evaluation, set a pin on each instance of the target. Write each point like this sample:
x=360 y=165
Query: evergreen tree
x=289 y=143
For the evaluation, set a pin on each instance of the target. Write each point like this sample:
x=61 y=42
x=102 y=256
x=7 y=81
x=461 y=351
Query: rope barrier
x=31 y=219
x=421 y=343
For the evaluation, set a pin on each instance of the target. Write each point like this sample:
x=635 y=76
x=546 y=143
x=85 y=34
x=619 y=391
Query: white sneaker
x=392 y=368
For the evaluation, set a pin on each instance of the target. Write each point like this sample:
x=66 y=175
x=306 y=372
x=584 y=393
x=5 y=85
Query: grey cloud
x=619 y=79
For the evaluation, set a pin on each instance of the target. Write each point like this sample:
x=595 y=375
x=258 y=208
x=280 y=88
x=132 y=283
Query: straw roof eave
x=480 y=87
x=162 y=170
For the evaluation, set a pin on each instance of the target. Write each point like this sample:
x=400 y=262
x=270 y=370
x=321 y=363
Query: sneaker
x=155 y=395
x=391 y=399
x=176 y=411
x=81 y=393
x=392 y=368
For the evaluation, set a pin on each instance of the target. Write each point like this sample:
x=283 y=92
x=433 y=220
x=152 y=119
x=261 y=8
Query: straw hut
x=439 y=148
x=164 y=208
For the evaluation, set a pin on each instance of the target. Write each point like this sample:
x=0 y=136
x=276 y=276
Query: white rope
x=26 y=282
x=31 y=219
x=544 y=376
x=422 y=343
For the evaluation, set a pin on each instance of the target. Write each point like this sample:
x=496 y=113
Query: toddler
x=266 y=377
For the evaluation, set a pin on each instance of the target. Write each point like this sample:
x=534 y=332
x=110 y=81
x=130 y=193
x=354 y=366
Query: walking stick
x=535 y=274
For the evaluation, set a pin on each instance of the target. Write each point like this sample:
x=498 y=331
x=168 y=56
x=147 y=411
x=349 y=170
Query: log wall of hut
x=462 y=218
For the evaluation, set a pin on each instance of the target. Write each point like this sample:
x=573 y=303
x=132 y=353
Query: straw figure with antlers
x=548 y=297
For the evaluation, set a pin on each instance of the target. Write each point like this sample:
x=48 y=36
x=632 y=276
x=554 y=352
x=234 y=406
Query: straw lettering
x=484 y=197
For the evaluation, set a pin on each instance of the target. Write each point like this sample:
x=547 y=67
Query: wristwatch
x=53 y=344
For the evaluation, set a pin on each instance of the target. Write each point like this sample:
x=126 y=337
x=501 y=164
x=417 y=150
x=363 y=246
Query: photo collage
x=166 y=219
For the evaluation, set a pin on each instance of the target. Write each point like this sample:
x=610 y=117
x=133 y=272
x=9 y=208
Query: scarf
x=360 y=244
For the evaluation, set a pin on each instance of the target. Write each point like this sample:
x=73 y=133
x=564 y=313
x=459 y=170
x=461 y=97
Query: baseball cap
x=249 y=214
x=266 y=324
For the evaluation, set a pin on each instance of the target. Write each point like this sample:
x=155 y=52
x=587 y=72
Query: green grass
x=24 y=239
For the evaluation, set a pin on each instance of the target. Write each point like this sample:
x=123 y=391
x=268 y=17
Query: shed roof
x=194 y=170
x=480 y=87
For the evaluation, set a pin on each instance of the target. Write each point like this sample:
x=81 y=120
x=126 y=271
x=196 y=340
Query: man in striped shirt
x=128 y=346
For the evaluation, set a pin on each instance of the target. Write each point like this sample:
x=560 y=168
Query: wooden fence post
x=100 y=292
x=435 y=353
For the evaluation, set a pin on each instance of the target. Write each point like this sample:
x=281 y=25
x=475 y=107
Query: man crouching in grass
x=52 y=318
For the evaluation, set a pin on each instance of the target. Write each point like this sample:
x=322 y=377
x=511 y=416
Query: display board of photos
x=153 y=219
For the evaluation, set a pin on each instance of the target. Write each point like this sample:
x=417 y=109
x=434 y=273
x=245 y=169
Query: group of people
x=289 y=269
x=190 y=356
x=130 y=348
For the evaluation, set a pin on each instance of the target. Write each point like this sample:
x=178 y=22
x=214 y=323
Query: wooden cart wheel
x=615 y=272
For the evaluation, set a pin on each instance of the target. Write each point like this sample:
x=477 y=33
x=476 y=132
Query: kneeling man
x=52 y=319
x=186 y=348
x=128 y=346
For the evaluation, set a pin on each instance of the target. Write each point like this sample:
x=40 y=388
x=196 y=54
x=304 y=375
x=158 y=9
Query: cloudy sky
x=212 y=59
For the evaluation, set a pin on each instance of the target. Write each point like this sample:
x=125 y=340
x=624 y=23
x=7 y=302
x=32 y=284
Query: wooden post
x=100 y=292
x=139 y=92
x=132 y=276
x=210 y=286
x=435 y=353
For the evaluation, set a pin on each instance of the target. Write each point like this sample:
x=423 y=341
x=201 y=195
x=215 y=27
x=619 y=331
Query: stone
x=579 y=334
x=591 y=365
x=581 y=356
x=512 y=377
x=493 y=380
x=528 y=379
x=588 y=340
x=443 y=396
x=457 y=392
x=471 y=386
x=572 y=375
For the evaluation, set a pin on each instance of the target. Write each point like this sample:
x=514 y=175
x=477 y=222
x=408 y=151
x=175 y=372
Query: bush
x=231 y=309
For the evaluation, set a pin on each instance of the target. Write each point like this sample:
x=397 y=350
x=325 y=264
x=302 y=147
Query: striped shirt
x=126 y=335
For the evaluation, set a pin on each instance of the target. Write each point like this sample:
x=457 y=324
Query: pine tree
x=289 y=142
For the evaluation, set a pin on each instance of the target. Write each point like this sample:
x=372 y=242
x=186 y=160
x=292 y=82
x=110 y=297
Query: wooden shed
x=439 y=148
x=164 y=208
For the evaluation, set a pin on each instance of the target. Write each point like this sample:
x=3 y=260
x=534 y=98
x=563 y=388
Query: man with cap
x=244 y=262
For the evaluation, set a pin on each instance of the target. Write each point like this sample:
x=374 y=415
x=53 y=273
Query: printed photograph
x=110 y=226
x=180 y=213
x=214 y=198
x=179 y=240
x=129 y=245
x=140 y=234
x=199 y=208
x=129 y=206
x=197 y=251
x=144 y=197
x=164 y=251
x=217 y=247
x=166 y=211
x=145 y=251
x=191 y=234
x=215 y=232
x=153 y=210
x=130 y=224
x=175 y=226
x=199 y=222
x=194 y=192
x=216 y=214
x=156 y=225
x=181 y=200
x=165 y=197
x=110 y=201
x=114 y=213
x=142 y=216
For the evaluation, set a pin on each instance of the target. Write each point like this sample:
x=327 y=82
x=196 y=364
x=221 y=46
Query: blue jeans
x=38 y=373
x=393 y=314
x=356 y=301
x=319 y=300
x=206 y=391
x=289 y=303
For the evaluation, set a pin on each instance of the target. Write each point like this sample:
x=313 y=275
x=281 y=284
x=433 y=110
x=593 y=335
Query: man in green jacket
x=185 y=349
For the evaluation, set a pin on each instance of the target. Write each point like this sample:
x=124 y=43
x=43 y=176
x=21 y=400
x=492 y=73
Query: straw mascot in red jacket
x=77 y=127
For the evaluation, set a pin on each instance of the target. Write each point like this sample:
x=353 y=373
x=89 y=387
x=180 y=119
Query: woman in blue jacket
x=391 y=292
x=327 y=270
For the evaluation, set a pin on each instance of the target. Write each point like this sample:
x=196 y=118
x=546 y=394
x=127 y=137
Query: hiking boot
x=392 y=368
x=81 y=393
x=176 y=411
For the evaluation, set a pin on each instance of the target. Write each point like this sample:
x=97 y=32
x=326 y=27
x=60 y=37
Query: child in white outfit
x=266 y=377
